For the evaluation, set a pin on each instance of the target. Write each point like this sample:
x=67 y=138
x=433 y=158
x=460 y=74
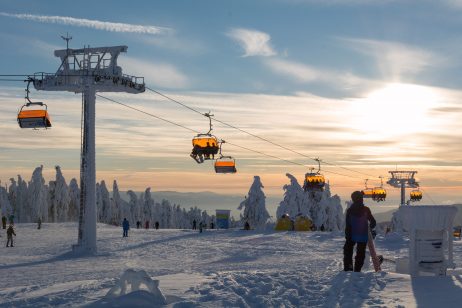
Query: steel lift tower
x=87 y=71
x=403 y=180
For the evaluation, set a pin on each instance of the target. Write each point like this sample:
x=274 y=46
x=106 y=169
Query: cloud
x=155 y=73
x=254 y=43
x=89 y=23
x=394 y=59
x=303 y=73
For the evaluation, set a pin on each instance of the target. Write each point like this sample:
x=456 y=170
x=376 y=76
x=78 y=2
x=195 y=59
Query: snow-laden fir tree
x=37 y=197
x=326 y=210
x=296 y=200
x=59 y=198
x=255 y=213
x=74 y=201
x=58 y=202
x=5 y=206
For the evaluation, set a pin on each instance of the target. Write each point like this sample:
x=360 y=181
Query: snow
x=216 y=268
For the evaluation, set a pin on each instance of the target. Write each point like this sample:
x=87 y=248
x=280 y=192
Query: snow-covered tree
x=5 y=206
x=74 y=201
x=326 y=210
x=59 y=197
x=254 y=206
x=37 y=197
x=296 y=200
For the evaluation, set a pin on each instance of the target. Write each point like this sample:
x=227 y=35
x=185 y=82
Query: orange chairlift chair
x=314 y=181
x=225 y=164
x=416 y=195
x=379 y=193
x=33 y=118
x=205 y=146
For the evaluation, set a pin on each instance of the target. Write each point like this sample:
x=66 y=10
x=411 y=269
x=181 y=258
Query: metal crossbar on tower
x=87 y=71
x=403 y=179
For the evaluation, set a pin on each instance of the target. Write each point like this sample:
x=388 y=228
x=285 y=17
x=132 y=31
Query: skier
x=138 y=224
x=247 y=226
x=9 y=235
x=194 y=224
x=356 y=232
x=126 y=227
x=157 y=225
x=39 y=223
x=200 y=227
x=4 y=221
x=212 y=225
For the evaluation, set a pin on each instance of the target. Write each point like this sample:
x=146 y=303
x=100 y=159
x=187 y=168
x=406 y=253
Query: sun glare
x=395 y=110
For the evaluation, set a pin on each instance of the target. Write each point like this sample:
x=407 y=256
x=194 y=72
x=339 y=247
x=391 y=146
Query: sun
x=395 y=110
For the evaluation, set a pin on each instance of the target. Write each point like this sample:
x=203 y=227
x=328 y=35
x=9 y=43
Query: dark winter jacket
x=10 y=231
x=356 y=223
x=126 y=225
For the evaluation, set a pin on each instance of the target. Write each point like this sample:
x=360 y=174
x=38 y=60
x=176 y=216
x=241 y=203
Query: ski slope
x=217 y=268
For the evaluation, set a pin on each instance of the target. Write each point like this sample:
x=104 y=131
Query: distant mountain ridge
x=386 y=216
x=210 y=201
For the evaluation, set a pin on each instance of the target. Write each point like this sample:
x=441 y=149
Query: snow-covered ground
x=212 y=269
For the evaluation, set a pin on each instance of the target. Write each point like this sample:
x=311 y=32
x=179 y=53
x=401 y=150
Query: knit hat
x=357 y=196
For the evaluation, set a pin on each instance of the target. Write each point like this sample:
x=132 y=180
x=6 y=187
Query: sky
x=366 y=86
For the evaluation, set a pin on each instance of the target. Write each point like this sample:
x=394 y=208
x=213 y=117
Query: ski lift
x=314 y=181
x=416 y=195
x=367 y=192
x=205 y=146
x=225 y=164
x=379 y=193
x=34 y=118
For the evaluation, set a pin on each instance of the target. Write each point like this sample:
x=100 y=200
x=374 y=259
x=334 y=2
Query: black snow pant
x=348 y=255
x=10 y=238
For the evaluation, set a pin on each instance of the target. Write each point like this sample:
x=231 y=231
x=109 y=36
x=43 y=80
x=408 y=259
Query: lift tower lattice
x=87 y=71
x=403 y=180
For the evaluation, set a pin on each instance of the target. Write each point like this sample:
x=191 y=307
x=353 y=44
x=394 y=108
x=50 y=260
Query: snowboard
x=376 y=259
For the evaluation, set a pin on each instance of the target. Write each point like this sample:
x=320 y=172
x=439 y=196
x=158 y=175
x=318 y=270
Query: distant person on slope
x=357 y=221
x=9 y=235
x=126 y=227
x=39 y=223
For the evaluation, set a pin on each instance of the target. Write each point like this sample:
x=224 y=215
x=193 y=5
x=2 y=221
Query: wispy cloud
x=303 y=73
x=394 y=59
x=160 y=74
x=254 y=43
x=89 y=23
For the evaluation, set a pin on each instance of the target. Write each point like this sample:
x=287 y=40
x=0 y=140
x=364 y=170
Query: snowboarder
x=157 y=225
x=9 y=235
x=194 y=224
x=126 y=227
x=39 y=223
x=146 y=225
x=356 y=232
x=4 y=221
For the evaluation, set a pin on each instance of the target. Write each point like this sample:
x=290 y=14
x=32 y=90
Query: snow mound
x=139 y=282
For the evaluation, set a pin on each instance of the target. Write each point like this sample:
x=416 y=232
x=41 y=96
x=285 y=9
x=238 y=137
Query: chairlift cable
x=253 y=135
x=149 y=114
x=429 y=197
x=230 y=143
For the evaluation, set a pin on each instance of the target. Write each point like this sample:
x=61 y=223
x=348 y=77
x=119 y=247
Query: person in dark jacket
x=157 y=225
x=126 y=227
x=9 y=235
x=357 y=222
